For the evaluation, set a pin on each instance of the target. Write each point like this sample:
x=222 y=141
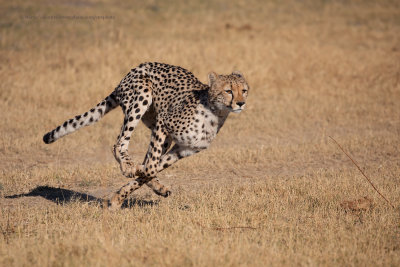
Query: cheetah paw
x=130 y=170
x=164 y=192
x=167 y=193
x=114 y=203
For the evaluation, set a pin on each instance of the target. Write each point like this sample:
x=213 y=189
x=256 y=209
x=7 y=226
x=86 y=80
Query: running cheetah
x=176 y=106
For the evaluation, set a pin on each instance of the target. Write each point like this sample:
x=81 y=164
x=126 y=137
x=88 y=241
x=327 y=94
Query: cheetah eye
x=229 y=91
x=244 y=91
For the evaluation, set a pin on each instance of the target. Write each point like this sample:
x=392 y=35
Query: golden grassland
x=270 y=188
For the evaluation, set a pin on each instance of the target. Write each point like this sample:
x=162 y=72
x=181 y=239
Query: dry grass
x=316 y=68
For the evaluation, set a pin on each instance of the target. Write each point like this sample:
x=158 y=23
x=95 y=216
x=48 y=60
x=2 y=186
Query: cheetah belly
x=199 y=131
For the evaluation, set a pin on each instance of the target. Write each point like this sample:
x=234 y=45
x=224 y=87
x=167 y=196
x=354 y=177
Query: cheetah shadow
x=62 y=196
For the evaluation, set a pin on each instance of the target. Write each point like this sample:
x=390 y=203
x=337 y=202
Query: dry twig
x=362 y=172
x=225 y=228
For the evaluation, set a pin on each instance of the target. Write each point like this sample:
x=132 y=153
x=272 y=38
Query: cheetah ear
x=237 y=73
x=212 y=76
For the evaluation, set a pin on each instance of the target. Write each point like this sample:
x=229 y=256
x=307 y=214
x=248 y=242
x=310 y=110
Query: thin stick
x=225 y=228
x=362 y=172
x=233 y=227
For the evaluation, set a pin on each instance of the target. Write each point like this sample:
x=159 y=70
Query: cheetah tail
x=82 y=120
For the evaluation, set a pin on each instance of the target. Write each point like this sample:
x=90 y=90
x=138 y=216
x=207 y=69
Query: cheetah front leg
x=167 y=160
x=155 y=183
x=175 y=154
x=119 y=197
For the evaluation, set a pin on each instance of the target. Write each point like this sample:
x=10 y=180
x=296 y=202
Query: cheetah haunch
x=176 y=106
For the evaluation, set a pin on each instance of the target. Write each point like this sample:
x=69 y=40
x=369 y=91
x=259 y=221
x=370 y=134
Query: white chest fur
x=202 y=130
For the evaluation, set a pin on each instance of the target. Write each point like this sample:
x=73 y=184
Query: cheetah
x=175 y=106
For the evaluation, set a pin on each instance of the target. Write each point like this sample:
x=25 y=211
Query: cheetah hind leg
x=152 y=159
x=128 y=168
x=132 y=118
x=144 y=176
x=122 y=194
x=131 y=170
x=158 y=187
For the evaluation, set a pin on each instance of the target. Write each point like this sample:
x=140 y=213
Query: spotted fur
x=176 y=106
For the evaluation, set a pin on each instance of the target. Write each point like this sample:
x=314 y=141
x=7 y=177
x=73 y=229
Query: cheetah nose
x=240 y=103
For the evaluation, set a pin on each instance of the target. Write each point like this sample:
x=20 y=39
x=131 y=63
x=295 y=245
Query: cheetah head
x=228 y=92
